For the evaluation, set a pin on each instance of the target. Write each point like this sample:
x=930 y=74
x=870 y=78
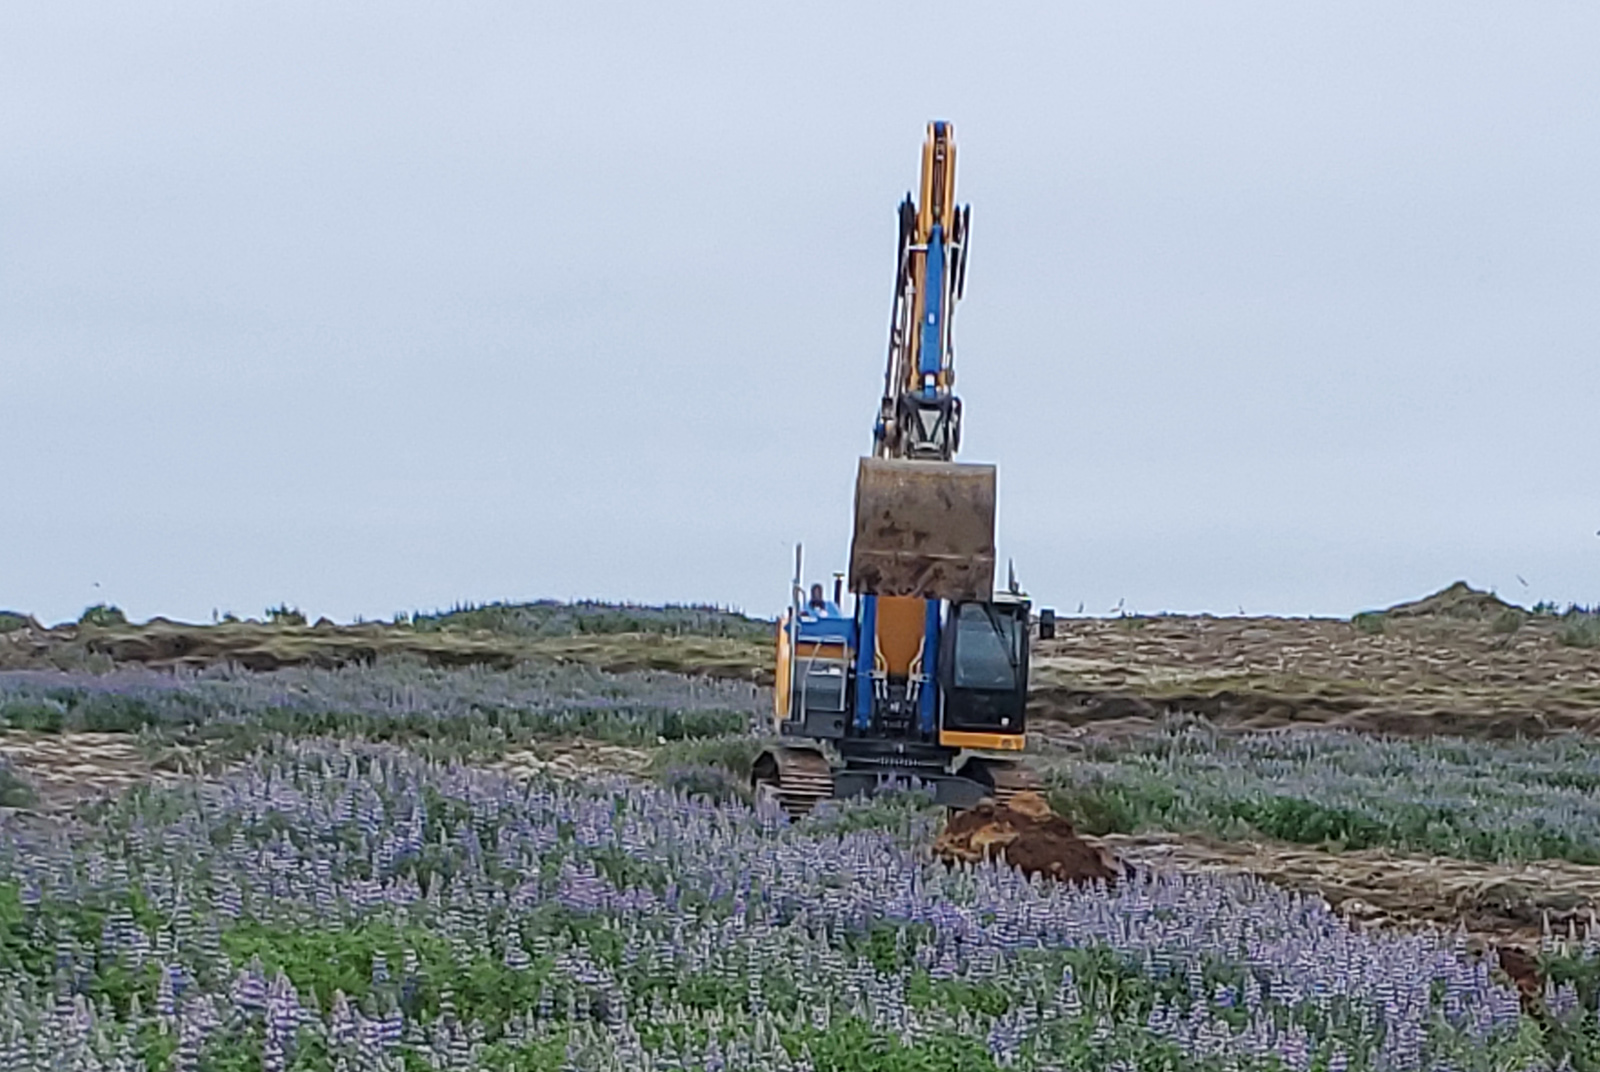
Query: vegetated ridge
x=1460 y=661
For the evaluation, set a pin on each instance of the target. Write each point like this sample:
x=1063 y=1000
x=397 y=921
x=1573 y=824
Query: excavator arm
x=919 y=416
x=924 y=524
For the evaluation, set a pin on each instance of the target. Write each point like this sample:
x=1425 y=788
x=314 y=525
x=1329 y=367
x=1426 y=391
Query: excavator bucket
x=923 y=528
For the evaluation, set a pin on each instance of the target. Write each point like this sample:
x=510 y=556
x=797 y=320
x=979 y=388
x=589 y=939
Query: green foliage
x=1491 y=801
x=39 y=716
x=1575 y=1038
x=10 y=621
x=1371 y=622
x=886 y=946
x=483 y=730
x=853 y=1046
x=987 y=998
x=549 y=618
x=1107 y=807
x=1508 y=621
x=713 y=783
x=734 y=752
x=104 y=615
x=340 y=956
x=15 y=790
x=1580 y=631
x=69 y=709
x=1307 y=822
x=911 y=815
x=29 y=937
x=108 y=712
x=548 y=1055
x=341 y=959
x=283 y=614
x=493 y=728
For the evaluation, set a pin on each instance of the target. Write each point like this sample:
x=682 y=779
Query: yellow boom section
x=937 y=205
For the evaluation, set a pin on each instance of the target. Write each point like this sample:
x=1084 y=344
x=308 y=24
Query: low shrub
x=1370 y=622
x=1580 y=631
x=103 y=614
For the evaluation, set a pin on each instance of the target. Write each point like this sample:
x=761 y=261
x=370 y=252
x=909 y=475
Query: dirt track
x=63 y=769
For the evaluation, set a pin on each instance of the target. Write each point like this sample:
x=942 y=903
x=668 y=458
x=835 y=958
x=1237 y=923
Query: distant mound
x=11 y=620
x=1459 y=601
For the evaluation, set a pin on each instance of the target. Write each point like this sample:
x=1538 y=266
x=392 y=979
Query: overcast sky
x=375 y=307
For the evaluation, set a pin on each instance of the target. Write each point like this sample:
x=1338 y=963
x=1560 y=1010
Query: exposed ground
x=269 y=646
x=63 y=769
x=1458 y=665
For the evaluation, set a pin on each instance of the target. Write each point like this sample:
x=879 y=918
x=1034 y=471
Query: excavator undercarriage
x=799 y=777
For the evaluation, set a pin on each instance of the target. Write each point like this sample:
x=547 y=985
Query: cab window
x=985 y=649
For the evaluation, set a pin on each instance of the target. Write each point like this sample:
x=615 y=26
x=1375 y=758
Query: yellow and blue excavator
x=925 y=682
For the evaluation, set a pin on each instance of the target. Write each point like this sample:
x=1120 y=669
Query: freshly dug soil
x=1027 y=835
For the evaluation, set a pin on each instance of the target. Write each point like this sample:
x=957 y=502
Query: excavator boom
x=924 y=525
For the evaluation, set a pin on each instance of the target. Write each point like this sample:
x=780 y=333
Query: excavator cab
x=984 y=673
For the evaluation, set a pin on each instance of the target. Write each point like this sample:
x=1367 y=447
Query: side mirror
x=1047 y=624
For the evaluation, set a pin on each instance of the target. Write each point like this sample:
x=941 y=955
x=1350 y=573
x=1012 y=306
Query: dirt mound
x=1460 y=600
x=1027 y=835
x=1523 y=971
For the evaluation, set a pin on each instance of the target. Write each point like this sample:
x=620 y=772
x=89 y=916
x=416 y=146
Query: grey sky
x=378 y=307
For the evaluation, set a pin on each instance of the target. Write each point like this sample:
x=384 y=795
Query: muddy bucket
x=923 y=529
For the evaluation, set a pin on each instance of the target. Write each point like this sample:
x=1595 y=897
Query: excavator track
x=796 y=778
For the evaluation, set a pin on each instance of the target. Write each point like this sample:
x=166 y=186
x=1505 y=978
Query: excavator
x=924 y=683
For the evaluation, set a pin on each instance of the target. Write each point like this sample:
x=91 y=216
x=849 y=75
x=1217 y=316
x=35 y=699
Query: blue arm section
x=864 y=656
x=928 y=703
x=930 y=358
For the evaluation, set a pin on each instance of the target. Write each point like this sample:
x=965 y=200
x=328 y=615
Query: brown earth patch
x=165 y=644
x=1472 y=671
x=574 y=759
x=65 y=769
x=1026 y=834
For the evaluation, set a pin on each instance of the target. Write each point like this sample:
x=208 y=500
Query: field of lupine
x=474 y=710
x=350 y=888
x=1502 y=801
x=353 y=905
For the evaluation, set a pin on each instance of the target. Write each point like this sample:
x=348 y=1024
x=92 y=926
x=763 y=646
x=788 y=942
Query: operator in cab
x=820 y=606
